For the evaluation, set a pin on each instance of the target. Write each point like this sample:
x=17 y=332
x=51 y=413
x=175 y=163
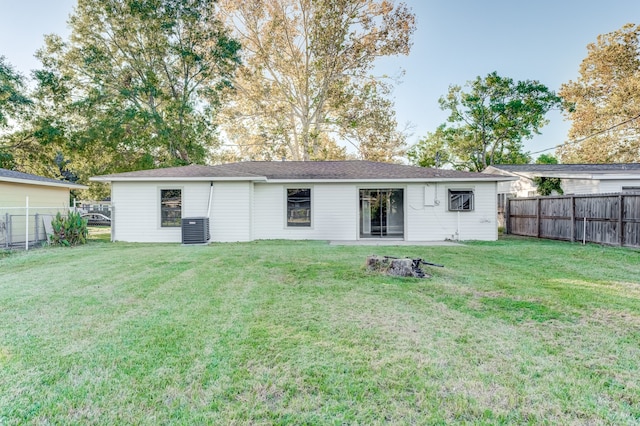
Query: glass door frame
x=385 y=194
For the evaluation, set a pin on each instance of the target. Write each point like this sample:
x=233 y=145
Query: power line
x=628 y=120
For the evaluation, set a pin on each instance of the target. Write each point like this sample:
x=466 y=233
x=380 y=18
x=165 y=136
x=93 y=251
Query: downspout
x=26 y=231
x=210 y=197
x=209 y=209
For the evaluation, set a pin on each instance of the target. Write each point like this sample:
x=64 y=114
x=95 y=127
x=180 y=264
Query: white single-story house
x=325 y=200
x=574 y=178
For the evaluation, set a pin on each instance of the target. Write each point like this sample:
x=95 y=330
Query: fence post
x=37 y=236
x=538 y=217
x=573 y=219
x=26 y=221
x=9 y=230
x=621 y=220
x=507 y=219
x=113 y=222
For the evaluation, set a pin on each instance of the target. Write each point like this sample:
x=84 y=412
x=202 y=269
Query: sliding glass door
x=381 y=213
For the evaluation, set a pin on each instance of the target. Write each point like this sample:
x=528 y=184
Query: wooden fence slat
x=612 y=219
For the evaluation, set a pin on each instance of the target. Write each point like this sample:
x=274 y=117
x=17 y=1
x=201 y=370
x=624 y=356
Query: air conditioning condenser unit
x=195 y=230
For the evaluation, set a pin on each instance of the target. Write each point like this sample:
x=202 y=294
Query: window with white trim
x=460 y=200
x=170 y=208
x=298 y=207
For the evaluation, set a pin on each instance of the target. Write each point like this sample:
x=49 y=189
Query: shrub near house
x=69 y=230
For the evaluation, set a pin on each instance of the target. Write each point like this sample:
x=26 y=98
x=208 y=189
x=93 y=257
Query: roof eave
x=174 y=179
x=41 y=183
x=396 y=180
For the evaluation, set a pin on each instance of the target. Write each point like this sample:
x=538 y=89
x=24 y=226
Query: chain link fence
x=26 y=227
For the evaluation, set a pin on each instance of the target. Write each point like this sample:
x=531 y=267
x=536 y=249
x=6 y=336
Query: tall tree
x=488 y=123
x=137 y=83
x=606 y=101
x=14 y=103
x=306 y=81
x=433 y=149
x=13 y=100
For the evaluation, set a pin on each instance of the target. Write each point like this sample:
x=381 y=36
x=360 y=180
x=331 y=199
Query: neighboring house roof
x=568 y=171
x=26 y=178
x=301 y=170
x=576 y=168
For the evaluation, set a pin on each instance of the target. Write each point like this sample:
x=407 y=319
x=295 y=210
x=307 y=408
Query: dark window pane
x=460 y=200
x=170 y=207
x=299 y=207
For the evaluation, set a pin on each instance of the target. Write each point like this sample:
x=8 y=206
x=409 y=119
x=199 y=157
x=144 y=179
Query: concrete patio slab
x=386 y=242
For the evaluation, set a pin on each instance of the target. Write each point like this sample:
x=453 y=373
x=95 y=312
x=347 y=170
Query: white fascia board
x=40 y=183
x=562 y=175
x=175 y=179
x=618 y=177
x=413 y=180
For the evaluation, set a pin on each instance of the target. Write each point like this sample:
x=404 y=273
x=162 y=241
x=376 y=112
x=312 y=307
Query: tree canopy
x=487 y=123
x=137 y=83
x=605 y=101
x=547 y=185
x=14 y=103
x=13 y=100
x=306 y=81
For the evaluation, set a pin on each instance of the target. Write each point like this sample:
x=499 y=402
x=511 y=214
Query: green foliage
x=605 y=100
x=70 y=230
x=13 y=101
x=546 y=185
x=546 y=159
x=488 y=123
x=307 y=81
x=135 y=86
x=431 y=150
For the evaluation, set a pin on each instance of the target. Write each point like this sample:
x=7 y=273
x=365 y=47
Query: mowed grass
x=511 y=332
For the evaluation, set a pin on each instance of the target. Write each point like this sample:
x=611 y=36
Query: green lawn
x=516 y=331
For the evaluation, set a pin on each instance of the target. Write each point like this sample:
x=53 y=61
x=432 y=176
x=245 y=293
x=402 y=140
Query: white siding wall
x=137 y=209
x=426 y=223
x=616 y=185
x=580 y=186
x=334 y=212
x=522 y=187
x=231 y=212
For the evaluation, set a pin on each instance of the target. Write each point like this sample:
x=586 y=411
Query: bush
x=70 y=230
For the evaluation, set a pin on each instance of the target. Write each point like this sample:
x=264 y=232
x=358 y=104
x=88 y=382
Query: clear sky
x=455 y=41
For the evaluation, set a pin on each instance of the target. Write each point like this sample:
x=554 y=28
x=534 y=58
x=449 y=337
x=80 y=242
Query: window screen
x=170 y=207
x=299 y=207
x=460 y=200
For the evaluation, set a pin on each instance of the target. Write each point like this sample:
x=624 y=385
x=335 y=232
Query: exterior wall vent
x=195 y=230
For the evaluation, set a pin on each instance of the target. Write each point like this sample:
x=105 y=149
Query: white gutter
x=174 y=179
x=210 y=197
x=287 y=181
x=41 y=183
x=410 y=180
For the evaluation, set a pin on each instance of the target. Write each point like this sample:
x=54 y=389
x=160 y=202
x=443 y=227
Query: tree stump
x=396 y=267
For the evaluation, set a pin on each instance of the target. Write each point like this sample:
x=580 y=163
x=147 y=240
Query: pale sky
x=455 y=41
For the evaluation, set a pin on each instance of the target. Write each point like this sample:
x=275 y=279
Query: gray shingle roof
x=574 y=168
x=12 y=175
x=304 y=170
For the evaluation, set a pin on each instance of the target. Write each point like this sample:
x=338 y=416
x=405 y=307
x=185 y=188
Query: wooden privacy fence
x=612 y=219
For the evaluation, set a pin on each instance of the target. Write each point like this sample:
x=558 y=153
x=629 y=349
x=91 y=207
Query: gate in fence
x=612 y=219
x=22 y=228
